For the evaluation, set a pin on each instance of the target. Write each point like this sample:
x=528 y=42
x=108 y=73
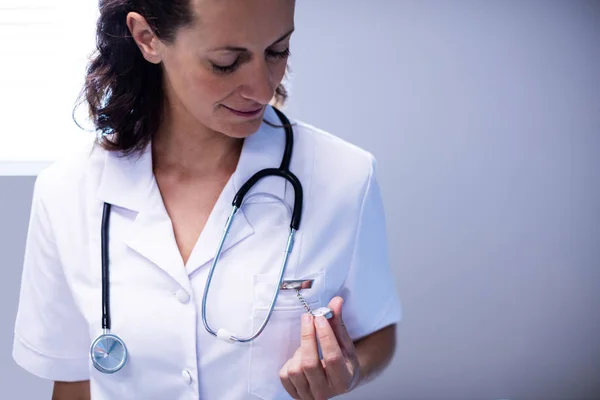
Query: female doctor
x=125 y=234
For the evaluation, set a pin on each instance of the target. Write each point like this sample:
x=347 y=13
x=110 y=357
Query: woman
x=181 y=92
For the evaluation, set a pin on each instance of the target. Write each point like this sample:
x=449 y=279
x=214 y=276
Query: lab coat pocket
x=281 y=337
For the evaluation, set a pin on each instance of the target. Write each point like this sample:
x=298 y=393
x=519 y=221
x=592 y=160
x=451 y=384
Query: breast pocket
x=281 y=337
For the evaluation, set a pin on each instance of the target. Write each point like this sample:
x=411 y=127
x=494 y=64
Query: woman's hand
x=305 y=376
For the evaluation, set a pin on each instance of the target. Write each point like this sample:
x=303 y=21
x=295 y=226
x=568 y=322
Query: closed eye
x=227 y=69
x=224 y=69
x=279 y=54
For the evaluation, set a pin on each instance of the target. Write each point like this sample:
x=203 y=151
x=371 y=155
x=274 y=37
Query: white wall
x=485 y=119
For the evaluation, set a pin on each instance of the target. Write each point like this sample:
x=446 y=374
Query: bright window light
x=45 y=47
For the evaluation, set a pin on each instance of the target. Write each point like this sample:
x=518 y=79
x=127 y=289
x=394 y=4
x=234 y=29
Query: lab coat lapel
x=263 y=149
x=209 y=239
x=129 y=182
x=152 y=236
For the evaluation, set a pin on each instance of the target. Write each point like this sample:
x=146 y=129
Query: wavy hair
x=123 y=91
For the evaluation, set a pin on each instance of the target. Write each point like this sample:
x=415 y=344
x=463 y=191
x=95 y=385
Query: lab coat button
x=182 y=296
x=187 y=377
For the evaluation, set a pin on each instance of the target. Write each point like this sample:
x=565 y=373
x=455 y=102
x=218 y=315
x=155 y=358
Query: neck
x=192 y=150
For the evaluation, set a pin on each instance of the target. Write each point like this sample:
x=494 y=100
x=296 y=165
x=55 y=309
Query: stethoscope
x=108 y=351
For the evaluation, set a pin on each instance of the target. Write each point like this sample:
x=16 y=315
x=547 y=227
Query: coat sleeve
x=371 y=300
x=51 y=338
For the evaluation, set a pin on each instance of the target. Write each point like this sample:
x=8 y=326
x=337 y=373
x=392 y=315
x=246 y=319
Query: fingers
x=297 y=378
x=310 y=362
x=286 y=381
x=335 y=362
x=305 y=375
x=337 y=323
x=308 y=339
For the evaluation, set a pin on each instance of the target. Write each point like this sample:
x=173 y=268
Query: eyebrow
x=235 y=48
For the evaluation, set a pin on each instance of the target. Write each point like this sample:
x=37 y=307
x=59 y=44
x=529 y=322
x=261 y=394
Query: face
x=223 y=70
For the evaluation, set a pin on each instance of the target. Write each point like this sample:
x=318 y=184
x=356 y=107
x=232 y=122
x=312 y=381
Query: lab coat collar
x=264 y=149
x=126 y=180
x=129 y=182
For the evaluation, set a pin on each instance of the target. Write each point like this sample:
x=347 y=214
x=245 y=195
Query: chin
x=241 y=129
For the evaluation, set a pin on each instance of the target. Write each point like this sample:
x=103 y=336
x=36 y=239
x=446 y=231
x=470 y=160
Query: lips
x=249 y=111
x=245 y=112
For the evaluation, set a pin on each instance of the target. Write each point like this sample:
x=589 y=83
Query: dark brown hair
x=123 y=91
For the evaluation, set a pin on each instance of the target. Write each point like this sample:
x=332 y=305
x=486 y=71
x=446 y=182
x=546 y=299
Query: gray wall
x=485 y=119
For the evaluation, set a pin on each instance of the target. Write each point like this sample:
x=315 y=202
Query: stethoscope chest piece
x=108 y=353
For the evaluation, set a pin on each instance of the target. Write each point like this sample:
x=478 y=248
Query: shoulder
x=333 y=146
x=337 y=164
x=70 y=176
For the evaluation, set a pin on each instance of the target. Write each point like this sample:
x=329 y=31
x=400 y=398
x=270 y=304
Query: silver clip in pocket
x=299 y=284
x=296 y=284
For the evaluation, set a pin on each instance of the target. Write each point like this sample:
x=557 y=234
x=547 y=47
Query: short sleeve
x=51 y=336
x=371 y=300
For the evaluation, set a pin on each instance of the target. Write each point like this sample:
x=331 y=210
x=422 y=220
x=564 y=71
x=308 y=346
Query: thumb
x=335 y=305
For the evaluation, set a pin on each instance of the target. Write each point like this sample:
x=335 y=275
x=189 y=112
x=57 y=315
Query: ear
x=144 y=37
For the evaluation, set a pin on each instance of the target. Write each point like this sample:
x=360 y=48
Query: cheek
x=278 y=71
x=205 y=85
x=200 y=90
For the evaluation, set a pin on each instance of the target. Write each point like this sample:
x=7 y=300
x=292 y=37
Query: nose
x=260 y=83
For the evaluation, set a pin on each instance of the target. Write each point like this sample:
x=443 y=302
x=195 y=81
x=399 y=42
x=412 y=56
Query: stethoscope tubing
x=104 y=358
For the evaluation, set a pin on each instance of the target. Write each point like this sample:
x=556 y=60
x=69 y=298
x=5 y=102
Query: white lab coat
x=156 y=300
